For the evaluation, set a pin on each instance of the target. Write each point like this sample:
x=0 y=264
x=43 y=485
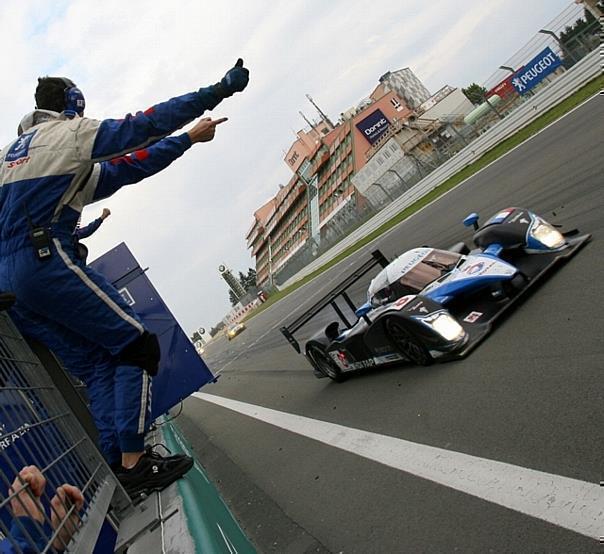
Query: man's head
x=59 y=94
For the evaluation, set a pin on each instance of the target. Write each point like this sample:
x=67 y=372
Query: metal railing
x=39 y=428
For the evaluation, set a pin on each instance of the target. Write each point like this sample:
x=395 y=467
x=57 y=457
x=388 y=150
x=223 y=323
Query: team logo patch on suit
x=20 y=149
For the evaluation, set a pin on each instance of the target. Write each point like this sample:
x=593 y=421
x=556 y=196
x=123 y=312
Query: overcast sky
x=128 y=55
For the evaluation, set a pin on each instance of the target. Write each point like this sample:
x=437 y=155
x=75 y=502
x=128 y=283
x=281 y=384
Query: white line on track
x=568 y=503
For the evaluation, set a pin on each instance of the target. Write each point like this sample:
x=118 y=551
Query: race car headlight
x=445 y=325
x=547 y=235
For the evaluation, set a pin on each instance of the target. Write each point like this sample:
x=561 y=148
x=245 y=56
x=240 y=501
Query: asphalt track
x=531 y=395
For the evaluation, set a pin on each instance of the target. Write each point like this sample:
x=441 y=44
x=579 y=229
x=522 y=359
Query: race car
x=234 y=330
x=432 y=305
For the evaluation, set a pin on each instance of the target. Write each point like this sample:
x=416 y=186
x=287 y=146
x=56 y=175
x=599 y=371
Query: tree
x=247 y=282
x=579 y=27
x=475 y=93
x=219 y=326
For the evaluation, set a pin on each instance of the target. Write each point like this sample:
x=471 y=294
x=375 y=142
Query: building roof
x=261 y=216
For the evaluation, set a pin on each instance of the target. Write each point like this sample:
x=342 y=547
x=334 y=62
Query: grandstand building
x=323 y=160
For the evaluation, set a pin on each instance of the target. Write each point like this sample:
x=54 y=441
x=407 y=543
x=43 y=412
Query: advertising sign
x=373 y=126
x=181 y=369
x=295 y=156
x=504 y=88
x=535 y=71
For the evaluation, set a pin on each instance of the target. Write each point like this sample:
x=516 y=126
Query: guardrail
x=573 y=79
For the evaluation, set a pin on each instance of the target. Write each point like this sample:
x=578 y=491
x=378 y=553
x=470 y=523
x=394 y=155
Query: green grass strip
x=209 y=520
x=585 y=92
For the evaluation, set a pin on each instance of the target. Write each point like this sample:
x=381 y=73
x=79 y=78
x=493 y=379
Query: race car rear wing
x=377 y=258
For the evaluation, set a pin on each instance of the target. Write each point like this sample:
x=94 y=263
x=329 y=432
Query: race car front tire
x=406 y=343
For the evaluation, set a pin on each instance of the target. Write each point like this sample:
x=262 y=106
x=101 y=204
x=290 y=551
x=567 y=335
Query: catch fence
x=44 y=422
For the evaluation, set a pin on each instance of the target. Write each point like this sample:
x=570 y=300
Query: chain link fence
x=427 y=142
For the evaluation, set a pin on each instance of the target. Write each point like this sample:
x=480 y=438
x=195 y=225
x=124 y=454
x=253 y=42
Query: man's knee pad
x=143 y=352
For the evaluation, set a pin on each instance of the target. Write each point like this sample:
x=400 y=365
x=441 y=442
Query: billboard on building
x=296 y=155
x=373 y=126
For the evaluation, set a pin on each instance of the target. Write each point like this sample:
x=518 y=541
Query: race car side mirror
x=471 y=221
x=363 y=310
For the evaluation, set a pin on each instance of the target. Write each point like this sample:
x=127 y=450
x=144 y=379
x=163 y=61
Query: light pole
x=508 y=68
x=267 y=238
x=560 y=43
x=270 y=261
x=399 y=177
x=376 y=184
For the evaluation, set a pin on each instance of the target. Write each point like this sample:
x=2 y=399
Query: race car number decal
x=472 y=317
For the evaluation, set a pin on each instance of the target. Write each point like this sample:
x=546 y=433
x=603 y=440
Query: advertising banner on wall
x=536 y=70
x=181 y=369
x=373 y=126
x=504 y=88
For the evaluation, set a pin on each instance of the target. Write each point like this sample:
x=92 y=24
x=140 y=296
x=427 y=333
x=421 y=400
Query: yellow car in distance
x=234 y=330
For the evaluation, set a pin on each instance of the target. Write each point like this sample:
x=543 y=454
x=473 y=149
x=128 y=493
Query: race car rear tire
x=406 y=343
x=324 y=363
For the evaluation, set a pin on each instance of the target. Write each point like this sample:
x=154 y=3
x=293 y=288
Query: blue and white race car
x=436 y=305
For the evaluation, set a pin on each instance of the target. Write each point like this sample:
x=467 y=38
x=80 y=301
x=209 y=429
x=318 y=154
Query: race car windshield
x=434 y=266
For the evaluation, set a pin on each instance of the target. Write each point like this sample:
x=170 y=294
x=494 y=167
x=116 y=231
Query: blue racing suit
x=47 y=176
x=85 y=232
x=25 y=534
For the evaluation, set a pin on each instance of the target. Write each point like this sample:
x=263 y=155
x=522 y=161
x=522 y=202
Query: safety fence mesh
x=38 y=428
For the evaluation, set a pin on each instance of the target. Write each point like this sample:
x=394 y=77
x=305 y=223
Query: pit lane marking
x=568 y=503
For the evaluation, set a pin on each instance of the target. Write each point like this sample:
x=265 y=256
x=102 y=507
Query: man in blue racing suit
x=84 y=232
x=61 y=162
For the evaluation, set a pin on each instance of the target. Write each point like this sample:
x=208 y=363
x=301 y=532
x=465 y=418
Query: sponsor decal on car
x=392 y=357
x=498 y=218
x=472 y=317
x=402 y=302
x=478 y=268
x=340 y=359
x=370 y=362
x=419 y=307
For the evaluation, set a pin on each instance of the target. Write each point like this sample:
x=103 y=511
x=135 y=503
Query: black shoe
x=152 y=453
x=153 y=473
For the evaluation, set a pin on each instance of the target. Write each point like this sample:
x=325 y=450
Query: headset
x=74 y=99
